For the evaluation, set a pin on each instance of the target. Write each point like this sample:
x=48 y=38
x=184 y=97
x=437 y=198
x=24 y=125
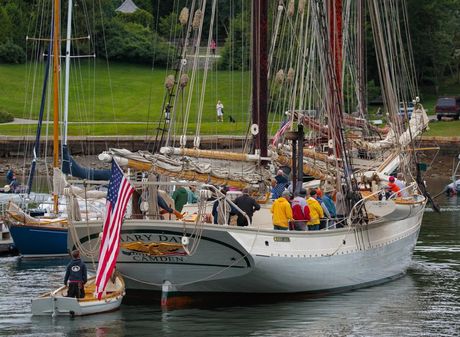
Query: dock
x=13 y=146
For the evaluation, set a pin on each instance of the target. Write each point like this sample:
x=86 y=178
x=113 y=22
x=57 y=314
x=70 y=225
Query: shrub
x=11 y=53
x=133 y=42
x=6 y=117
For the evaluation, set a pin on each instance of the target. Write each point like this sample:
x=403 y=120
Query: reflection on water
x=426 y=302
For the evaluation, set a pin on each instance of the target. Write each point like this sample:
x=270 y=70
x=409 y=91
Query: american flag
x=118 y=195
x=284 y=126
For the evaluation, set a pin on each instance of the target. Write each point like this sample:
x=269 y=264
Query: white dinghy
x=56 y=302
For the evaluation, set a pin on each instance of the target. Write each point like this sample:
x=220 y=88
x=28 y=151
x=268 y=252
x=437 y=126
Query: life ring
x=254 y=129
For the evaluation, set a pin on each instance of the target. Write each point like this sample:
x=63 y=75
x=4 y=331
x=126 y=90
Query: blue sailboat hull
x=39 y=241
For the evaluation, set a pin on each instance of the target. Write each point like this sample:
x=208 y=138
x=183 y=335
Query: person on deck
x=76 y=276
x=180 y=197
x=248 y=205
x=300 y=211
x=167 y=209
x=14 y=184
x=9 y=175
x=341 y=207
x=316 y=211
x=282 y=212
x=324 y=221
x=222 y=210
x=393 y=187
x=279 y=184
x=330 y=206
x=192 y=197
x=402 y=185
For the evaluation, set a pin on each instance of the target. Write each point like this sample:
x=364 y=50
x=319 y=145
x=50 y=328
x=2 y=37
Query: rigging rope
x=198 y=26
x=203 y=87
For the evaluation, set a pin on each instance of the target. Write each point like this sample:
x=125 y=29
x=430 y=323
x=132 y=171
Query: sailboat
x=375 y=245
x=453 y=188
x=46 y=236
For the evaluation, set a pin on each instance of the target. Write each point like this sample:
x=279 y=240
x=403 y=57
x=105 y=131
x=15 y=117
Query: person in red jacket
x=300 y=211
x=393 y=187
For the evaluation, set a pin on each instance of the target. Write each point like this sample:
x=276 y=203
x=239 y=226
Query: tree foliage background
x=144 y=36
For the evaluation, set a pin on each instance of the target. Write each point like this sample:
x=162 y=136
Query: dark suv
x=448 y=107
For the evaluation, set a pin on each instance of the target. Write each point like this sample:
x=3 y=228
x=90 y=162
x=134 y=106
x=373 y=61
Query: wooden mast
x=360 y=55
x=56 y=71
x=259 y=72
x=334 y=9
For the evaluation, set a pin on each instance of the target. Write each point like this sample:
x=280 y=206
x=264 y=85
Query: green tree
x=169 y=26
x=434 y=27
x=133 y=42
x=236 y=52
x=140 y=17
x=11 y=30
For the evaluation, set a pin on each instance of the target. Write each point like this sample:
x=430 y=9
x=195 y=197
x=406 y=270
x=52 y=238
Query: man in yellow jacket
x=282 y=212
x=316 y=212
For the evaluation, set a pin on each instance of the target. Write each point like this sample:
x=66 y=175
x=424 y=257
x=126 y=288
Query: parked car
x=406 y=108
x=448 y=107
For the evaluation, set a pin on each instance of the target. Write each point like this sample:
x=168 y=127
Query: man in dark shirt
x=76 y=276
x=247 y=204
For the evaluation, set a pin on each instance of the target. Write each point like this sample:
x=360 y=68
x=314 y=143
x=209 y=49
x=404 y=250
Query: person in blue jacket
x=76 y=276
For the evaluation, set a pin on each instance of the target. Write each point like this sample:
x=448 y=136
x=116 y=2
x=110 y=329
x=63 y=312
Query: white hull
x=256 y=260
x=71 y=306
x=56 y=302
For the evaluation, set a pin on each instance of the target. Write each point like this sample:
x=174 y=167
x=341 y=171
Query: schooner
x=312 y=73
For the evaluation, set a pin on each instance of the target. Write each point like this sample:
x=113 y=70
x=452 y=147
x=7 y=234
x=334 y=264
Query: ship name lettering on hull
x=146 y=258
x=149 y=238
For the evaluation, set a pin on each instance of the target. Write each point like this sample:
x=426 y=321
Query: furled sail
x=417 y=124
x=70 y=166
x=239 y=175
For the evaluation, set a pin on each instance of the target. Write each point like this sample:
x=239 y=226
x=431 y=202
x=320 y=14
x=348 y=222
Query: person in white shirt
x=220 y=111
x=402 y=185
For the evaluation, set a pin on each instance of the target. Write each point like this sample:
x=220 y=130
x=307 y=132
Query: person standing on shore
x=168 y=113
x=220 y=111
x=213 y=46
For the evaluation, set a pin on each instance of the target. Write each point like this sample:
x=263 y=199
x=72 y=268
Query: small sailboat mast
x=259 y=73
x=36 y=150
x=56 y=72
x=67 y=72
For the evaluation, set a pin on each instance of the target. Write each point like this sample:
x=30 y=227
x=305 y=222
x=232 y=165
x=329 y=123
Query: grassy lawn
x=444 y=129
x=130 y=94
x=126 y=100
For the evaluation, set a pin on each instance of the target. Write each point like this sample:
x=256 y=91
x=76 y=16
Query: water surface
x=425 y=302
